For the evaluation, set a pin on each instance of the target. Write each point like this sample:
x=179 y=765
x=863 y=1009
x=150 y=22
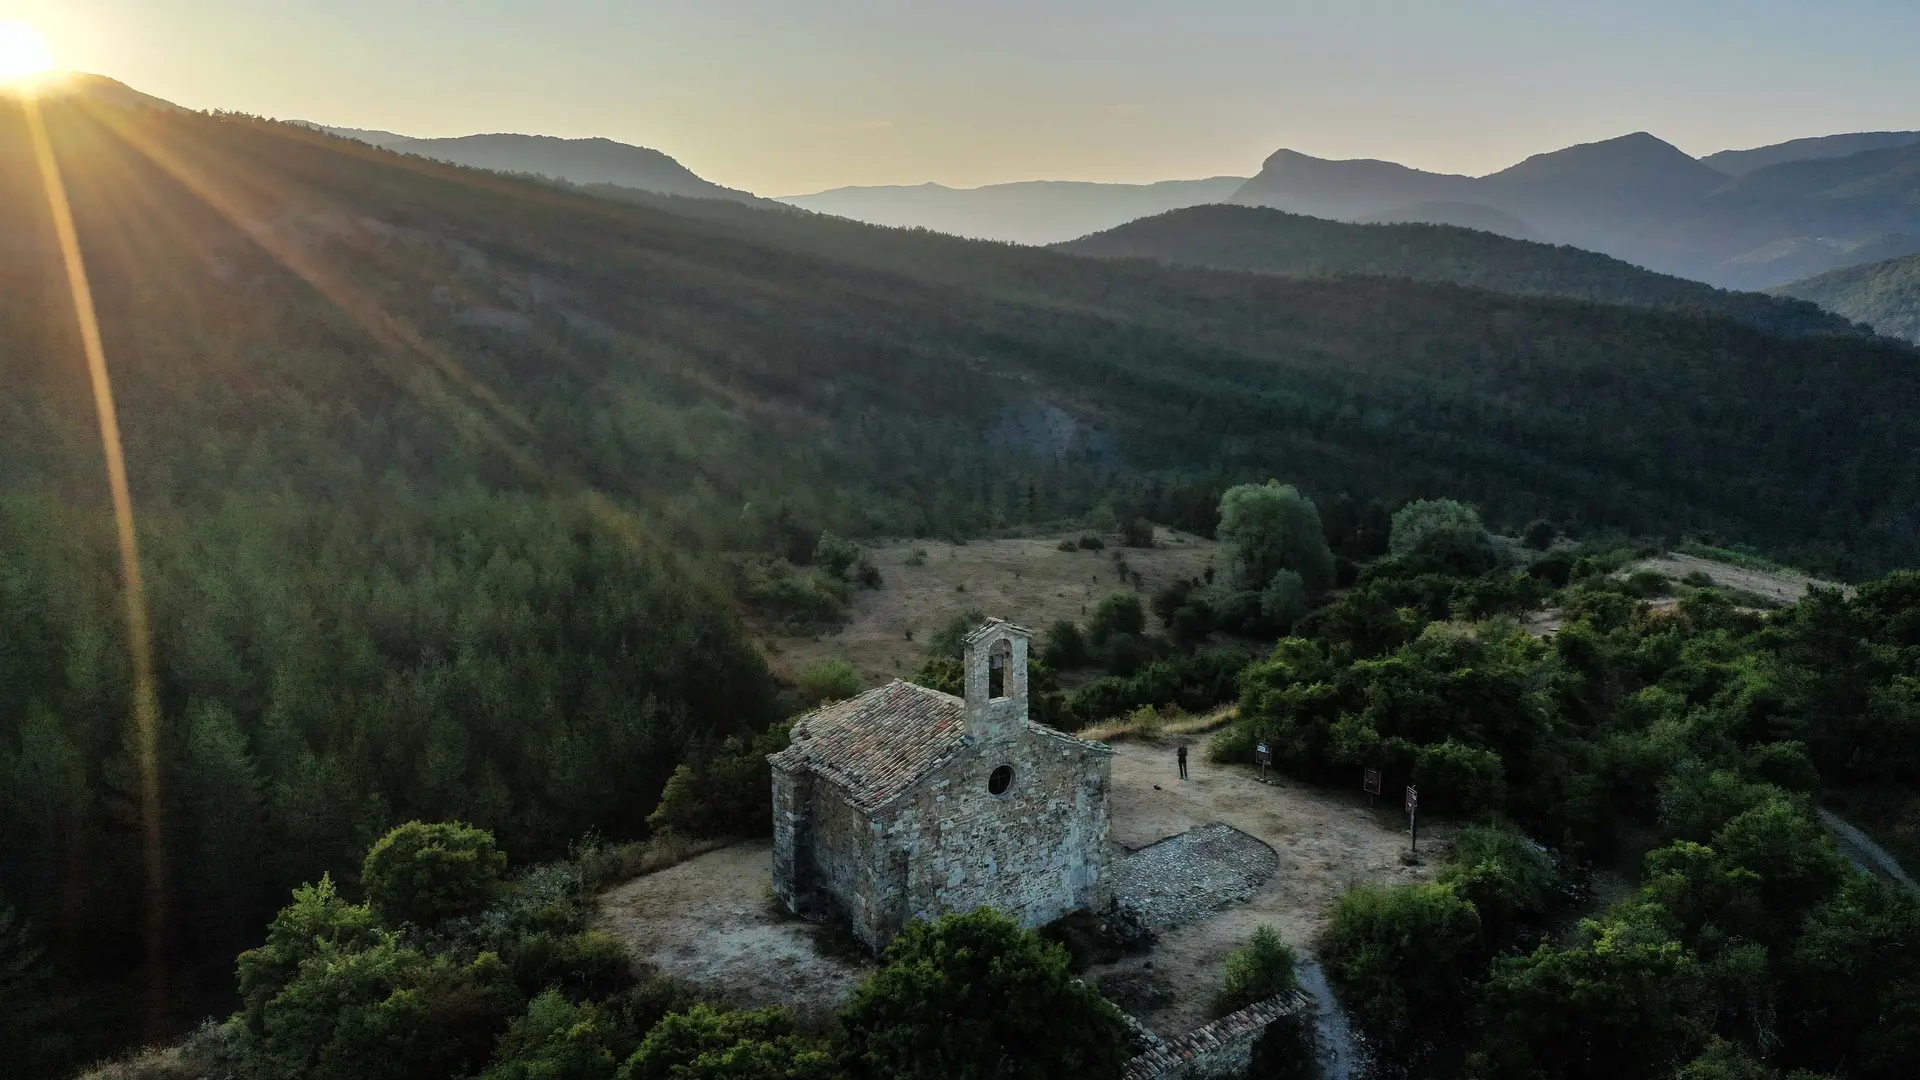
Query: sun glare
x=24 y=52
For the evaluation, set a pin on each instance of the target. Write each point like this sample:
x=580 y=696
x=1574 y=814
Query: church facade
x=907 y=803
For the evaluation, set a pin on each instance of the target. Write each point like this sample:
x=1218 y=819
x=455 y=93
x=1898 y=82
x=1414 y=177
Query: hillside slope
x=1034 y=212
x=1269 y=241
x=1884 y=295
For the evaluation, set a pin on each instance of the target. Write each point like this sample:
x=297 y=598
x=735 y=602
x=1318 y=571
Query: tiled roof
x=876 y=745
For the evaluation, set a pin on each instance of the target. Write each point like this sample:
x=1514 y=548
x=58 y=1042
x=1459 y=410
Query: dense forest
x=1883 y=295
x=457 y=495
x=1276 y=242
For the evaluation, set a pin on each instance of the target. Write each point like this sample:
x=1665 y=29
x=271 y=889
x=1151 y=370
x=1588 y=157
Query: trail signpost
x=1263 y=754
x=1370 y=783
x=1413 y=818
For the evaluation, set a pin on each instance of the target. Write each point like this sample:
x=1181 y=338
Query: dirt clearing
x=1027 y=581
x=1326 y=842
x=711 y=921
x=1781 y=586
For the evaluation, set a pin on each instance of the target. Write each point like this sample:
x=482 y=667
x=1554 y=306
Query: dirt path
x=711 y=921
x=1326 y=843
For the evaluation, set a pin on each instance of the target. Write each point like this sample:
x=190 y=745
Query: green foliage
x=1136 y=532
x=319 y=919
x=1540 y=534
x=1464 y=780
x=1259 y=971
x=1195 y=682
x=1625 y=1000
x=974 y=996
x=23 y=979
x=827 y=680
x=1852 y=984
x=724 y=792
x=837 y=555
x=708 y=1044
x=423 y=873
x=1065 y=648
x=384 y=1012
x=1406 y=963
x=1119 y=613
x=943 y=673
x=1270 y=528
x=1284 y=601
x=558 y=1040
x=1444 y=533
x=950 y=641
x=1509 y=880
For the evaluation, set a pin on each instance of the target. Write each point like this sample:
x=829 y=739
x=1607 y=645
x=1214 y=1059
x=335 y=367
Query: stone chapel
x=907 y=803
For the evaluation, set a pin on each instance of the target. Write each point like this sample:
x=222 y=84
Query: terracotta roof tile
x=876 y=745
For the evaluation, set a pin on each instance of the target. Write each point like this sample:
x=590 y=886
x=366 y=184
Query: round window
x=1001 y=780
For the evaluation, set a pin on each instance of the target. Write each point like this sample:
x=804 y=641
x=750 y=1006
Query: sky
x=784 y=97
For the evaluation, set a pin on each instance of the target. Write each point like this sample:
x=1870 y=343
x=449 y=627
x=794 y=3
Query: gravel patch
x=1186 y=878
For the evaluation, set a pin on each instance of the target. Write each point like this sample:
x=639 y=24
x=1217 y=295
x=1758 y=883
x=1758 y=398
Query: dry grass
x=603 y=866
x=207 y=1054
x=1029 y=581
x=1149 y=724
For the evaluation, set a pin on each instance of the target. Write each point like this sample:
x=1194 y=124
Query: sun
x=24 y=52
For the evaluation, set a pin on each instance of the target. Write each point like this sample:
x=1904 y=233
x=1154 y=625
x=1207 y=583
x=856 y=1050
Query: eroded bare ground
x=1027 y=581
x=1781 y=586
x=711 y=921
x=1326 y=842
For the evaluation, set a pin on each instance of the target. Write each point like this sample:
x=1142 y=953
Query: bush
x=836 y=555
x=950 y=641
x=424 y=873
x=1540 y=535
x=1458 y=779
x=1126 y=654
x=1406 y=962
x=1119 y=613
x=974 y=997
x=1509 y=880
x=1065 y=648
x=558 y=1040
x=1092 y=543
x=1271 y=528
x=1067 y=545
x=1136 y=532
x=1445 y=533
x=827 y=680
x=1284 y=601
x=1259 y=971
x=705 y=1043
x=724 y=791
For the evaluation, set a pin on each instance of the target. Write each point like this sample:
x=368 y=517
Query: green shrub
x=423 y=873
x=1445 y=533
x=1065 y=647
x=827 y=680
x=1259 y=971
x=723 y=791
x=973 y=997
x=1540 y=535
x=1509 y=880
x=559 y=1040
x=1284 y=601
x=1406 y=962
x=1119 y=613
x=1457 y=779
x=1272 y=527
x=950 y=641
x=705 y=1043
x=1092 y=543
x=1136 y=532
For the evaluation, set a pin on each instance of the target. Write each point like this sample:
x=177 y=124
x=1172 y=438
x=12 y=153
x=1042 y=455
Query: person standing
x=1182 y=755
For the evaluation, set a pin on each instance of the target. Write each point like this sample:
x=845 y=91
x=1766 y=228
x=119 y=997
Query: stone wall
x=1035 y=853
x=1220 y=1051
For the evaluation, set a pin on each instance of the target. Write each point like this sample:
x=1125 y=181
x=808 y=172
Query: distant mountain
x=1741 y=162
x=1464 y=215
x=1271 y=241
x=577 y=161
x=1884 y=295
x=1643 y=200
x=1033 y=212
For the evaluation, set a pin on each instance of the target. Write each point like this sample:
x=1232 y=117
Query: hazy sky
x=787 y=96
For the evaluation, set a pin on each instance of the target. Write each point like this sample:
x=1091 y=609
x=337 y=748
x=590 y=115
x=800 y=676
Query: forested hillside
x=1276 y=242
x=452 y=488
x=1883 y=295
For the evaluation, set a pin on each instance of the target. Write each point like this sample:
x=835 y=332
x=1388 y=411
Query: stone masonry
x=907 y=803
x=1222 y=1049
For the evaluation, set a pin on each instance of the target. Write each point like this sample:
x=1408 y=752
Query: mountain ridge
x=1024 y=211
x=1884 y=295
